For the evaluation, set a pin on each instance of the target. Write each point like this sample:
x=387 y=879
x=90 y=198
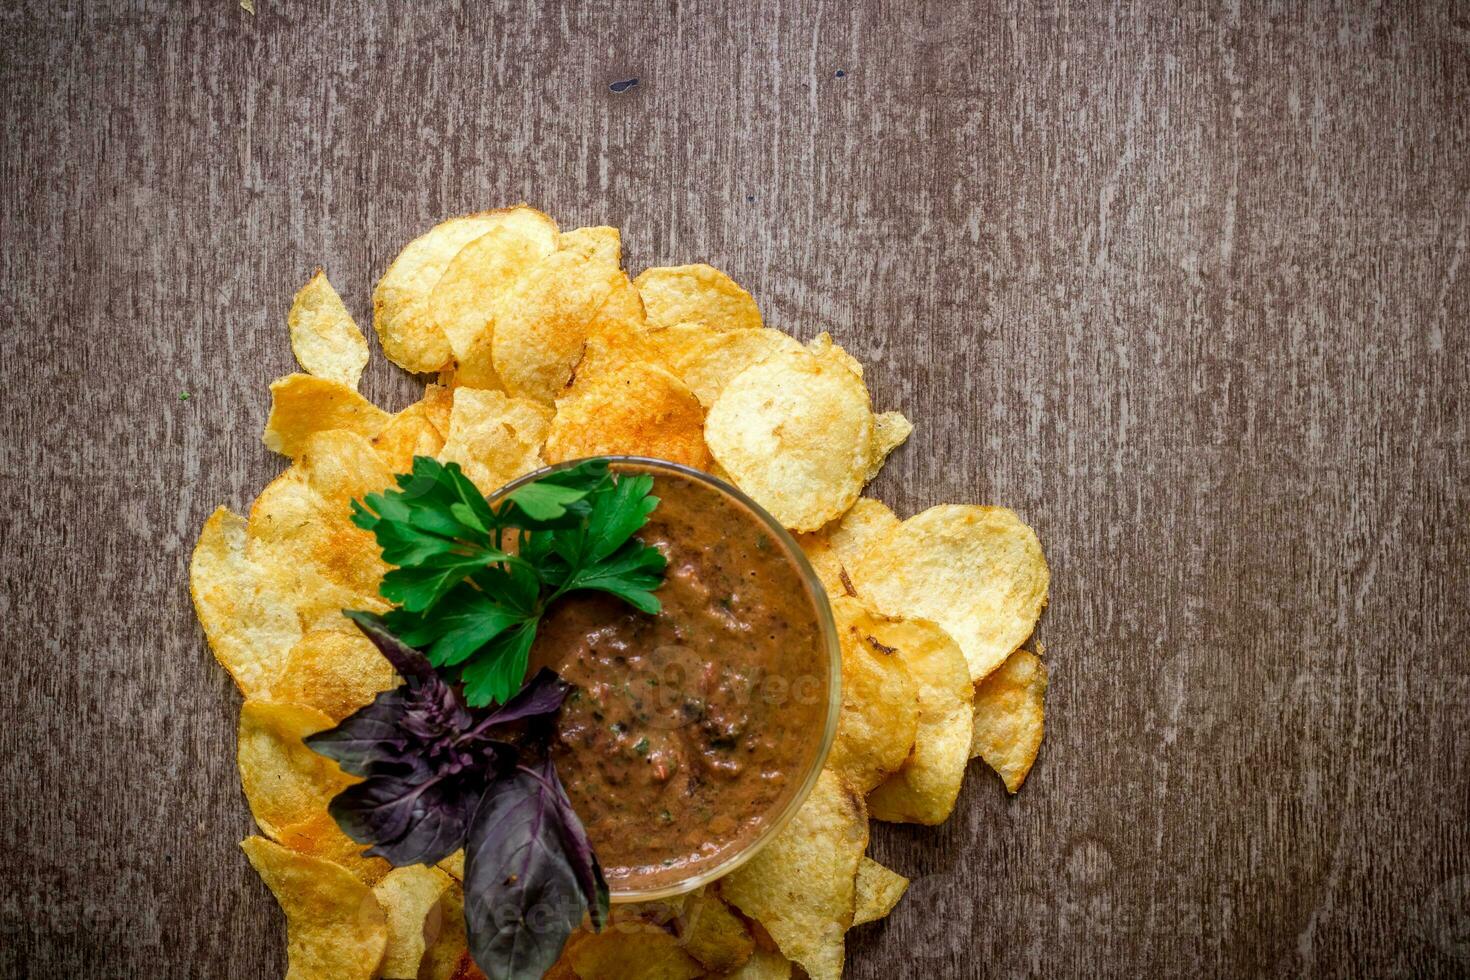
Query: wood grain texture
x=1185 y=285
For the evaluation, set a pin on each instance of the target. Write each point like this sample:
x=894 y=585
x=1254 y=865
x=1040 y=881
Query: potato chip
x=924 y=790
x=324 y=337
x=890 y=430
x=410 y=899
x=796 y=433
x=763 y=965
x=319 y=836
x=411 y=432
x=801 y=886
x=1010 y=717
x=638 y=409
x=838 y=545
x=542 y=322
x=822 y=346
x=714 y=935
x=880 y=705
x=334 y=927
x=411 y=338
x=445 y=938
x=303 y=405
x=707 y=359
x=976 y=571
x=333 y=671
x=696 y=294
x=601 y=243
x=462 y=303
x=249 y=620
x=494 y=437
x=285 y=782
x=632 y=952
x=454 y=864
x=878 y=891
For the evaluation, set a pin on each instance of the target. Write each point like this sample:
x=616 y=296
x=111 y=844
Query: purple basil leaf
x=371 y=738
x=523 y=897
x=542 y=695
x=579 y=850
x=410 y=664
x=408 y=823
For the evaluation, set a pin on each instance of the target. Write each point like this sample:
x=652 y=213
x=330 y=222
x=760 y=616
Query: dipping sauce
x=688 y=731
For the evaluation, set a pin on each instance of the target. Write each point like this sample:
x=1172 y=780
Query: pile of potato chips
x=543 y=350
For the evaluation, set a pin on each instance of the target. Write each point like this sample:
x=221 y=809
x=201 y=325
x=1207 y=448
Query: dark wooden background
x=1187 y=286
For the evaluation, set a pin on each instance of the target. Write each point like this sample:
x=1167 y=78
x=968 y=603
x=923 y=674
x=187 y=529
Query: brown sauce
x=687 y=731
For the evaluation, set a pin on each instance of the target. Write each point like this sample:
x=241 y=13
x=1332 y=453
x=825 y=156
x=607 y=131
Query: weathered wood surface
x=1185 y=286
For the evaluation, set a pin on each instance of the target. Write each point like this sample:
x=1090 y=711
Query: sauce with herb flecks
x=687 y=731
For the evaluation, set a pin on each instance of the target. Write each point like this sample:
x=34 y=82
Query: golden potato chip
x=707 y=359
x=976 y=571
x=796 y=433
x=445 y=938
x=324 y=337
x=878 y=891
x=334 y=927
x=601 y=243
x=801 y=886
x=890 y=430
x=838 y=545
x=411 y=338
x=303 y=405
x=763 y=965
x=543 y=321
x=462 y=303
x=411 y=432
x=714 y=935
x=822 y=346
x=632 y=952
x=1010 y=717
x=880 y=705
x=333 y=671
x=924 y=790
x=639 y=409
x=494 y=437
x=454 y=864
x=319 y=836
x=249 y=620
x=696 y=294
x=285 y=782
x=410 y=899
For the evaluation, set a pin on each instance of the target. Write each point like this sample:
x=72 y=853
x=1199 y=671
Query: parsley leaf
x=472 y=581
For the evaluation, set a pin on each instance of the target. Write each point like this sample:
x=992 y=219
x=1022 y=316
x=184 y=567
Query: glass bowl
x=828 y=643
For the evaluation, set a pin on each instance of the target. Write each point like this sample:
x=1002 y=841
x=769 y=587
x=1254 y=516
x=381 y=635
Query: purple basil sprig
x=439 y=775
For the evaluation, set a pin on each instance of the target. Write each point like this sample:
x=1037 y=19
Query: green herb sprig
x=473 y=580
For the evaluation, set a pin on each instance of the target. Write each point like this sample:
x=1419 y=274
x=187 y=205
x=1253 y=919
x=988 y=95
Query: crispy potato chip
x=324 y=337
x=822 y=346
x=319 y=836
x=494 y=437
x=801 y=886
x=412 y=432
x=976 y=571
x=714 y=935
x=924 y=790
x=707 y=359
x=639 y=409
x=249 y=620
x=334 y=927
x=696 y=294
x=303 y=405
x=890 y=430
x=796 y=433
x=543 y=321
x=763 y=964
x=462 y=303
x=410 y=898
x=454 y=864
x=838 y=545
x=601 y=243
x=632 y=952
x=878 y=891
x=410 y=336
x=333 y=671
x=1010 y=717
x=880 y=704
x=446 y=942
x=285 y=782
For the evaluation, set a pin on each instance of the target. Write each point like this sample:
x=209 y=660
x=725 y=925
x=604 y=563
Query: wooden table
x=1187 y=287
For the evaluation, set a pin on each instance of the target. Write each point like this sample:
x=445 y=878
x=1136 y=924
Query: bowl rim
x=826 y=626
